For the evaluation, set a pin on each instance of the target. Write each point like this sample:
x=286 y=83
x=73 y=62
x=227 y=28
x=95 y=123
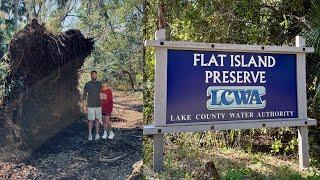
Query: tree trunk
x=16 y=4
x=131 y=79
x=144 y=35
x=161 y=14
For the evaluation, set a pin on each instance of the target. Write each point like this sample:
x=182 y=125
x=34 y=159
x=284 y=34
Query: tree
x=117 y=28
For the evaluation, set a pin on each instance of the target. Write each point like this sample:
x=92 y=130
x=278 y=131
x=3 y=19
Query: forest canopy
x=115 y=27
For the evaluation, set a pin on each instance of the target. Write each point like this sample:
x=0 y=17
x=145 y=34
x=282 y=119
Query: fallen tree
x=42 y=96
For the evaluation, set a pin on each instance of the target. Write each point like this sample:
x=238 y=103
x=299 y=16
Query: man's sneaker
x=97 y=137
x=111 y=135
x=105 y=135
x=90 y=137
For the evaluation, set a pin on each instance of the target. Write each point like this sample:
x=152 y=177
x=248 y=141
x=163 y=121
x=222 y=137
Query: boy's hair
x=105 y=81
x=93 y=72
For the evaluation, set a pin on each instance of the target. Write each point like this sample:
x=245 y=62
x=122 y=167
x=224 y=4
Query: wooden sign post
x=302 y=101
x=209 y=86
x=159 y=102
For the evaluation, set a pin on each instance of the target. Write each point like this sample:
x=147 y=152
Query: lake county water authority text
x=231 y=115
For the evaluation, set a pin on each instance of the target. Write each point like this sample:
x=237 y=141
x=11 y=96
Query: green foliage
x=292 y=145
x=6 y=32
x=283 y=173
x=4 y=70
x=312 y=35
x=117 y=29
x=147 y=150
x=237 y=174
x=285 y=142
x=185 y=156
x=276 y=146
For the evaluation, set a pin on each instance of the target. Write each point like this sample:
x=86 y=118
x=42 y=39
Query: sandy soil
x=127 y=110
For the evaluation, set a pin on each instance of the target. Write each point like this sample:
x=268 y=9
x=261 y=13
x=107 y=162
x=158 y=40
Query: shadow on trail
x=134 y=107
x=69 y=155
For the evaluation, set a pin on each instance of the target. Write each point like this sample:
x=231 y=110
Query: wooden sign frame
x=159 y=127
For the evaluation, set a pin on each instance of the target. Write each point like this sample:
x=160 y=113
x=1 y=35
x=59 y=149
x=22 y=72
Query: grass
x=185 y=158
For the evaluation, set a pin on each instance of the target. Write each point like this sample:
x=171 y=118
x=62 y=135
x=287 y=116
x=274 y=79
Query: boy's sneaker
x=90 y=137
x=97 y=137
x=111 y=135
x=105 y=135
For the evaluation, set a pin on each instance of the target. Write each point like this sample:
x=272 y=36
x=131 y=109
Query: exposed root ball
x=43 y=97
x=35 y=52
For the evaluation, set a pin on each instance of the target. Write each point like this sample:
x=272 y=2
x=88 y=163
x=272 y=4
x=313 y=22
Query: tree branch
x=281 y=13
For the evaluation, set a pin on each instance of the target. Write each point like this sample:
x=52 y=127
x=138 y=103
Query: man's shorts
x=94 y=113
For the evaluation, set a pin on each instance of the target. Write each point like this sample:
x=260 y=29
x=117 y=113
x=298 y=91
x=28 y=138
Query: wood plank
x=226 y=47
x=152 y=129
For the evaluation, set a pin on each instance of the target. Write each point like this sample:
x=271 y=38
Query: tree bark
x=131 y=79
x=144 y=35
x=16 y=4
x=161 y=15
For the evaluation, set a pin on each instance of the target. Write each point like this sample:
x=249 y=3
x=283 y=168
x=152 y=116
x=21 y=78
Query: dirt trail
x=127 y=112
x=69 y=155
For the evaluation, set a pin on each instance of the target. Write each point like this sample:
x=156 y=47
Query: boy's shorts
x=94 y=113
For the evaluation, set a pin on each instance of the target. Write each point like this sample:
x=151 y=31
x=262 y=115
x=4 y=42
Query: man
x=92 y=107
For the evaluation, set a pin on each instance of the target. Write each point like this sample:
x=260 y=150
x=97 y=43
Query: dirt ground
x=69 y=155
x=127 y=110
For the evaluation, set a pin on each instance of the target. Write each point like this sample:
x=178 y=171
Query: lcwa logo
x=236 y=97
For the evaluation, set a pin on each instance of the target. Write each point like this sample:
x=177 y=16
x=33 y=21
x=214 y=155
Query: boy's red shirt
x=106 y=100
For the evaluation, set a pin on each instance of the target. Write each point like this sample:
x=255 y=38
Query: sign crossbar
x=226 y=47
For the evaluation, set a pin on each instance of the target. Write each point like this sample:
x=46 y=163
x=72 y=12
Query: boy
x=107 y=106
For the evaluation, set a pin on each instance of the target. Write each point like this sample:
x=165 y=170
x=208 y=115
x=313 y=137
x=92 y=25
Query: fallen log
x=109 y=160
x=42 y=84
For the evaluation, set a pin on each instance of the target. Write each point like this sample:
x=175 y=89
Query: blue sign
x=207 y=86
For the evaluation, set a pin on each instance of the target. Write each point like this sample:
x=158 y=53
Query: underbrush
x=186 y=155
